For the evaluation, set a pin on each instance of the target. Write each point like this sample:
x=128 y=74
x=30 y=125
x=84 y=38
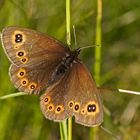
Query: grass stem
x=12 y=95
x=97 y=64
x=67 y=135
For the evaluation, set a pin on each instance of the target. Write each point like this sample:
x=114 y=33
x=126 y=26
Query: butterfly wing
x=52 y=102
x=34 y=56
x=32 y=79
x=82 y=98
x=76 y=92
x=26 y=47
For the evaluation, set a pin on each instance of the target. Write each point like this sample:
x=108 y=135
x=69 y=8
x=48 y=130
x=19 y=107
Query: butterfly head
x=76 y=52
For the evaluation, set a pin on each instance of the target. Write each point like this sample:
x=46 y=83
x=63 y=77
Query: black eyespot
x=20 y=54
x=70 y=104
x=91 y=108
x=76 y=107
x=58 y=109
x=21 y=73
x=32 y=86
x=46 y=100
x=83 y=111
x=24 y=60
x=16 y=47
x=18 y=38
x=18 y=35
x=24 y=82
x=50 y=107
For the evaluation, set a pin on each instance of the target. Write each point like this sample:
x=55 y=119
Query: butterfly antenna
x=106 y=90
x=75 y=39
x=91 y=46
x=109 y=132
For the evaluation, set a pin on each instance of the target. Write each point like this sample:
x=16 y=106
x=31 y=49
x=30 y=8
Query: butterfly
x=42 y=64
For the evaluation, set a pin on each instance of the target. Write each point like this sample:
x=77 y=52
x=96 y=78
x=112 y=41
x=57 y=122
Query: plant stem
x=12 y=95
x=97 y=65
x=70 y=129
x=63 y=130
x=68 y=22
x=63 y=125
x=69 y=43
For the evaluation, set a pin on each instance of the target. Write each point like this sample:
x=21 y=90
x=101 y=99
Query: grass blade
x=97 y=65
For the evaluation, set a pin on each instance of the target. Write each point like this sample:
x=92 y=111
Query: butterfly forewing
x=26 y=47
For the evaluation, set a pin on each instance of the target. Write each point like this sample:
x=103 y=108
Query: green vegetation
x=119 y=66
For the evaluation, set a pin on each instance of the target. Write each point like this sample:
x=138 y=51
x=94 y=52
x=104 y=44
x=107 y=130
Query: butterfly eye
x=21 y=73
x=51 y=107
x=24 y=82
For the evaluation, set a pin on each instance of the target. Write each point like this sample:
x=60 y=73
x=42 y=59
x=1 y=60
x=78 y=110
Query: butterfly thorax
x=64 y=65
x=69 y=59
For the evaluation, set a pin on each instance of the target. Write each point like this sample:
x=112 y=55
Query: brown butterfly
x=41 y=63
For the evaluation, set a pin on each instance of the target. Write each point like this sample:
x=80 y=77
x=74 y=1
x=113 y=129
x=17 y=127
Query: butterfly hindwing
x=82 y=98
x=78 y=94
x=52 y=102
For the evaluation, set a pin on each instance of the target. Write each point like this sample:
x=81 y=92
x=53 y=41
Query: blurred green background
x=21 y=118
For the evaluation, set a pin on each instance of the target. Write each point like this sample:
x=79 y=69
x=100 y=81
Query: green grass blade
x=63 y=130
x=68 y=22
x=97 y=64
x=69 y=43
x=63 y=125
x=12 y=95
